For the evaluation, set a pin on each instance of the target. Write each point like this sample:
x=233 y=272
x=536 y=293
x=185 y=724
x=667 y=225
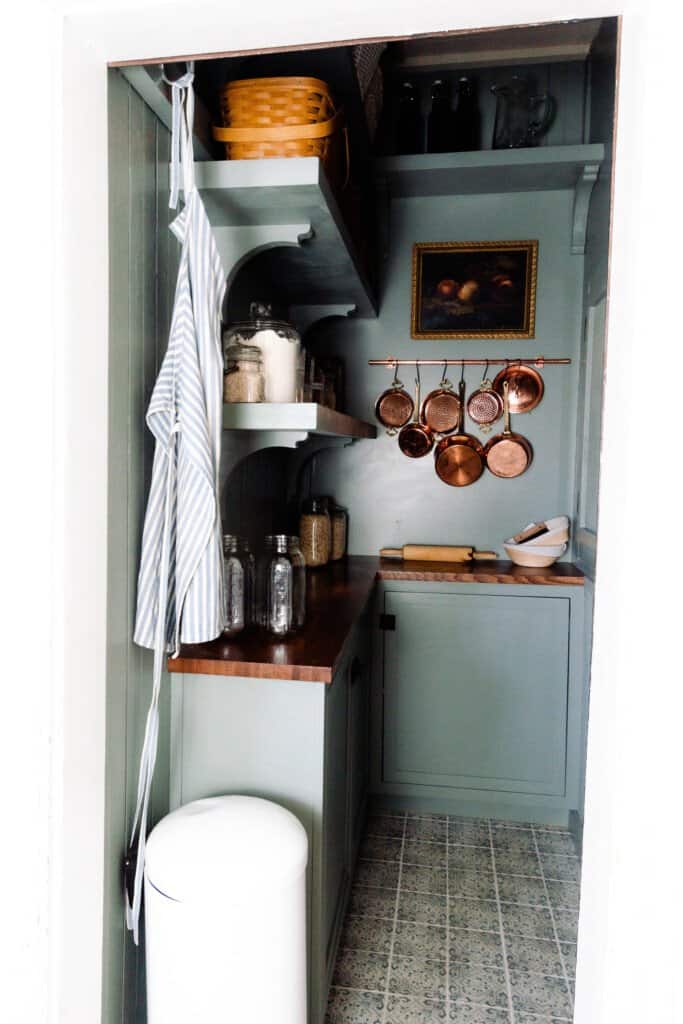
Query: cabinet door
x=475 y=692
x=359 y=746
x=335 y=866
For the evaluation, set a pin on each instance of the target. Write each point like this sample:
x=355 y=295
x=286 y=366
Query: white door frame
x=634 y=640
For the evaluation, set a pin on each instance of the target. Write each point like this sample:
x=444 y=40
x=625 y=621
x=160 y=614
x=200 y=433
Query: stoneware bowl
x=533 y=557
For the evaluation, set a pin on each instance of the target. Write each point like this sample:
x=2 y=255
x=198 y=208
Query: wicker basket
x=281 y=117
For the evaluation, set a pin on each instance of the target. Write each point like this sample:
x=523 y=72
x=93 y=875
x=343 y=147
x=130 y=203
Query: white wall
x=630 y=937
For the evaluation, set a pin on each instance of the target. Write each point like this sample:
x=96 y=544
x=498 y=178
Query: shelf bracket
x=582 y=199
x=238 y=244
x=305 y=316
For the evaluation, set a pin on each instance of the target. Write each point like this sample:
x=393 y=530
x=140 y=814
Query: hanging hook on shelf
x=189 y=70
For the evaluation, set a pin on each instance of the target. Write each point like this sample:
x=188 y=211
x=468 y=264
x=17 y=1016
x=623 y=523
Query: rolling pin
x=436 y=553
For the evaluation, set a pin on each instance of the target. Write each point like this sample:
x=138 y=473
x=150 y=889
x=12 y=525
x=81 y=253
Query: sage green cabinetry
x=477 y=699
x=303 y=745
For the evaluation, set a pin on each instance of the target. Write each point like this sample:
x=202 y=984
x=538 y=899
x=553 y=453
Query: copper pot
x=525 y=387
x=508 y=454
x=459 y=459
x=441 y=409
x=394 y=407
x=416 y=439
x=485 y=405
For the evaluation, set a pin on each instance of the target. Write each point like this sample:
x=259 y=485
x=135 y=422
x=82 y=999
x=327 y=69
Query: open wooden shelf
x=319 y=263
x=541 y=168
x=303 y=417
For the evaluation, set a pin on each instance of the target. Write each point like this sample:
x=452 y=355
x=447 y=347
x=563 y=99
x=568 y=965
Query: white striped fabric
x=180 y=583
x=185 y=417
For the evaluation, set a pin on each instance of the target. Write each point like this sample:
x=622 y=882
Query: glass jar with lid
x=315 y=532
x=280 y=347
x=244 y=380
x=339 y=519
x=233 y=585
x=282 y=585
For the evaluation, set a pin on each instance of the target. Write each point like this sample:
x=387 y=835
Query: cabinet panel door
x=475 y=692
x=335 y=823
x=359 y=746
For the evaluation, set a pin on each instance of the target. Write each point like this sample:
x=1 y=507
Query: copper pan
x=459 y=459
x=508 y=454
x=485 y=405
x=394 y=407
x=525 y=387
x=415 y=439
x=442 y=409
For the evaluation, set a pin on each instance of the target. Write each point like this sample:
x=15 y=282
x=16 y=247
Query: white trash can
x=225 y=914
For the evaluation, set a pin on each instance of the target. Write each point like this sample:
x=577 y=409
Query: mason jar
x=233 y=585
x=249 y=565
x=299 y=595
x=277 y=581
x=315 y=532
x=243 y=380
x=339 y=518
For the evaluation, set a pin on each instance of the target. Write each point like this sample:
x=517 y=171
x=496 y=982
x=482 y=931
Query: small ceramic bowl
x=533 y=557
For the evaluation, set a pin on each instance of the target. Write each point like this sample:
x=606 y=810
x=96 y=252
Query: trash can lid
x=225 y=843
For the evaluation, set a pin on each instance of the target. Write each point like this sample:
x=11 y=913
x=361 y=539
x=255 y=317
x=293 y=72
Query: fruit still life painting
x=474 y=289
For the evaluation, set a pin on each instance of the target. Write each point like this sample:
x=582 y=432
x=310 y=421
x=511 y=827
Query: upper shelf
x=496 y=170
x=542 y=169
x=285 y=201
x=300 y=417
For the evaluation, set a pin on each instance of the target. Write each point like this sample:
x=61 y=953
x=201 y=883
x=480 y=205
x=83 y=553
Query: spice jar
x=233 y=585
x=280 y=347
x=282 y=585
x=243 y=380
x=339 y=518
x=315 y=532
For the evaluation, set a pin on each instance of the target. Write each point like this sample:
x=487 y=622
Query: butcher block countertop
x=336 y=598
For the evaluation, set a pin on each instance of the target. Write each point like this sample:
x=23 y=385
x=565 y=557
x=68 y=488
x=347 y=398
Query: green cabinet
x=477 y=699
x=303 y=745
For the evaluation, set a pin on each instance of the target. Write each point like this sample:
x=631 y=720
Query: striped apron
x=180 y=582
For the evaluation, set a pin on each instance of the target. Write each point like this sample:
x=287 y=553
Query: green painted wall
x=392 y=499
x=142 y=275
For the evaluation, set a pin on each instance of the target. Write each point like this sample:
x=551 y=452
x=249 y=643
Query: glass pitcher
x=518 y=122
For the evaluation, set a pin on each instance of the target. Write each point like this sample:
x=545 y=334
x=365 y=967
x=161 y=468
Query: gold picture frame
x=474 y=290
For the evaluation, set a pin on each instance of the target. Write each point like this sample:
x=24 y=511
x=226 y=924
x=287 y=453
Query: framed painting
x=474 y=290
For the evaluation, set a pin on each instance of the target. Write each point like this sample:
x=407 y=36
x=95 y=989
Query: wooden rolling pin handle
x=484 y=556
x=391 y=553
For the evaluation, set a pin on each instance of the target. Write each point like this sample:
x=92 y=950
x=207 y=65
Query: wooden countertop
x=336 y=597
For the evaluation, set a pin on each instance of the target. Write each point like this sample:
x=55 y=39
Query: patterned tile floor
x=461 y=921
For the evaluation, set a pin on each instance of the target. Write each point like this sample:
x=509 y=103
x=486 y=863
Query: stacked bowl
x=543 y=548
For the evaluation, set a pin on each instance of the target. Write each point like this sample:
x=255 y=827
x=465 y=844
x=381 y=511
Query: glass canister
x=244 y=380
x=233 y=585
x=249 y=565
x=299 y=595
x=281 y=569
x=315 y=532
x=339 y=518
x=280 y=347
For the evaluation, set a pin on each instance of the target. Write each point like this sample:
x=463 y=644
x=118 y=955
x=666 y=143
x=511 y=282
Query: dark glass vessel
x=410 y=126
x=440 y=122
x=467 y=118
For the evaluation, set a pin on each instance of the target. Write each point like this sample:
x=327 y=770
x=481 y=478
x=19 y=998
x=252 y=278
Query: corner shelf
x=255 y=205
x=538 y=169
x=295 y=417
x=305 y=426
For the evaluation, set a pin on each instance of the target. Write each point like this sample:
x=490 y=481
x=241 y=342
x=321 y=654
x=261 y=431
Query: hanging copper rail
x=539 y=361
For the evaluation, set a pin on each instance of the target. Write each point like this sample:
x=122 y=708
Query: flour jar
x=280 y=347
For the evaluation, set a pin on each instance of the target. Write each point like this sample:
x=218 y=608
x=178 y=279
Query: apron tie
x=182 y=155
